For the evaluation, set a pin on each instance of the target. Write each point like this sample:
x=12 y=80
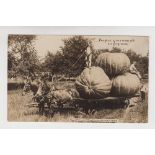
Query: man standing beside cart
x=88 y=58
x=134 y=70
x=143 y=89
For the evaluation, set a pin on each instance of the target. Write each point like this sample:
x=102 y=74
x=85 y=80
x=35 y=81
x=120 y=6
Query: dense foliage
x=22 y=56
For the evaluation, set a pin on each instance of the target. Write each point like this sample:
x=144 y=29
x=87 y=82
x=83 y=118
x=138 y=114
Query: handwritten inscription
x=117 y=42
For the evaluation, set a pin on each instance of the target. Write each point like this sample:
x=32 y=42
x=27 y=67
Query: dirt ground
x=19 y=112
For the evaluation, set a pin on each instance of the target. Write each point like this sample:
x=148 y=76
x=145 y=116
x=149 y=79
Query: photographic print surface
x=95 y=79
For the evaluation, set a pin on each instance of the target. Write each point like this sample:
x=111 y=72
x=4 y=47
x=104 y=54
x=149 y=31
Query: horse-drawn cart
x=87 y=106
x=94 y=84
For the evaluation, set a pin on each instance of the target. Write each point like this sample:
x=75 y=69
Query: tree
x=143 y=64
x=49 y=63
x=73 y=55
x=21 y=47
x=12 y=62
x=133 y=56
x=142 y=61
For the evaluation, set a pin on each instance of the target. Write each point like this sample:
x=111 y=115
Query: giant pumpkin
x=93 y=83
x=113 y=63
x=125 y=85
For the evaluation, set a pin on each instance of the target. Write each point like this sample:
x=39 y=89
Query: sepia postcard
x=78 y=78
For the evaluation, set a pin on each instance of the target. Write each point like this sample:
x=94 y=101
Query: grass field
x=19 y=112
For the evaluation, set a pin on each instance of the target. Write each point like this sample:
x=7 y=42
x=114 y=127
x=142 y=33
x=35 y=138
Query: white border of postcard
x=134 y=31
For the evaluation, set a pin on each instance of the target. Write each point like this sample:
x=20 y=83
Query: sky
x=140 y=45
